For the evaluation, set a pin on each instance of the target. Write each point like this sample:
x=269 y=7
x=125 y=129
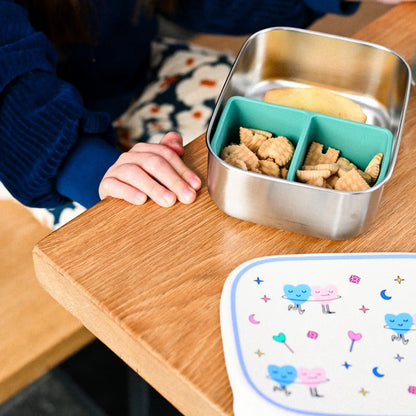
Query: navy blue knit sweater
x=56 y=139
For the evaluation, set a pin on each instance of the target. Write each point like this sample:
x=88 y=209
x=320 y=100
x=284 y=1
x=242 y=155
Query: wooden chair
x=36 y=333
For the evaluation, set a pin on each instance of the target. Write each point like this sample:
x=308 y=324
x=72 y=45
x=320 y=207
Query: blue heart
x=283 y=375
x=297 y=294
x=400 y=323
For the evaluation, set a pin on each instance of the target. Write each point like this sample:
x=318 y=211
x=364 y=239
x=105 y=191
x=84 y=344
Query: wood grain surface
x=147 y=281
x=36 y=332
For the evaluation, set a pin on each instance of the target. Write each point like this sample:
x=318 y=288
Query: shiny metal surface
x=375 y=77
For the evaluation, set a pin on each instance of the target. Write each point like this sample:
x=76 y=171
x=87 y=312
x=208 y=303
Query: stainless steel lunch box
x=375 y=77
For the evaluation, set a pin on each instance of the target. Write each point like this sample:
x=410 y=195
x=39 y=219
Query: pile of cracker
x=258 y=151
x=330 y=170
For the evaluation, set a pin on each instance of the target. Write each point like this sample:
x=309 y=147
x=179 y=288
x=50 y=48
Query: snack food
x=340 y=174
x=373 y=168
x=270 y=168
x=317 y=100
x=258 y=151
x=261 y=152
x=252 y=138
x=351 y=181
x=280 y=149
x=234 y=154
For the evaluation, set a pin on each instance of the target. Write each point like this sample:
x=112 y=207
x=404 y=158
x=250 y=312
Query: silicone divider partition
x=357 y=142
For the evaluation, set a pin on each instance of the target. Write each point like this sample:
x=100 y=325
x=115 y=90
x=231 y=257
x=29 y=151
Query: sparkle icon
x=398 y=357
x=399 y=280
x=259 y=353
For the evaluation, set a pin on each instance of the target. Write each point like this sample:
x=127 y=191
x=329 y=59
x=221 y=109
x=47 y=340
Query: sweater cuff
x=334 y=6
x=84 y=168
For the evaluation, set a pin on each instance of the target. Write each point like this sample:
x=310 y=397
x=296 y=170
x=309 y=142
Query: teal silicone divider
x=357 y=142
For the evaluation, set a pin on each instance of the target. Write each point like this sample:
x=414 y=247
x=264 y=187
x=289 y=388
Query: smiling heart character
x=284 y=375
x=298 y=295
x=324 y=295
x=312 y=377
x=400 y=323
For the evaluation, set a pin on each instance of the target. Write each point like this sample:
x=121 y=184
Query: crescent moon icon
x=253 y=320
x=384 y=295
x=377 y=373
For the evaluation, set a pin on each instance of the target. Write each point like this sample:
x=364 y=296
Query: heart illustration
x=354 y=336
x=312 y=377
x=325 y=294
x=280 y=338
x=297 y=294
x=400 y=323
x=284 y=375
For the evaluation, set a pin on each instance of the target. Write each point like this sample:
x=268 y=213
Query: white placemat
x=331 y=334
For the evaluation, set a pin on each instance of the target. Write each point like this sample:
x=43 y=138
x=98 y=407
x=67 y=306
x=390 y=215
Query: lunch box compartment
x=358 y=142
x=250 y=113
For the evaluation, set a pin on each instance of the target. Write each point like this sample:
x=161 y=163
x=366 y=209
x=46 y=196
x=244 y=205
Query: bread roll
x=317 y=100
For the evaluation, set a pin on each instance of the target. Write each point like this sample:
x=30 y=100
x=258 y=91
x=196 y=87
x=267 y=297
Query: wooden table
x=147 y=281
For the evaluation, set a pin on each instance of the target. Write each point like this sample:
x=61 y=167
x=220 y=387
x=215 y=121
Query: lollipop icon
x=281 y=338
x=353 y=337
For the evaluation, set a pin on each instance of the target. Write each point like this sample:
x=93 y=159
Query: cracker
x=332 y=180
x=283 y=172
x=280 y=149
x=253 y=140
x=319 y=181
x=327 y=185
x=333 y=167
x=238 y=163
x=364 y=175
x=331 y=156
x=345 y=164
x=270 y=168
x=241 y=152
x=262 y=132
x=314 y=153
x=229 y=151
x=351 y=181
x=307 y=175
x=373 y=168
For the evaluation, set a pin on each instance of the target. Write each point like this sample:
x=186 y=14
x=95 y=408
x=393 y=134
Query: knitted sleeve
x=242 y=17
x=41 y=116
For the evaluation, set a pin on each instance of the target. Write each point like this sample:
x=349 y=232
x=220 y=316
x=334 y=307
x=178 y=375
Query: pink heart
x=353 y=336
x=312 y=377
x=325 y=294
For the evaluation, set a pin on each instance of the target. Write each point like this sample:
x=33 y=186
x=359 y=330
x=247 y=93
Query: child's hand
x=152 y=170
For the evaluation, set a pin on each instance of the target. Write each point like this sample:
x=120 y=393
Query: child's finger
x=151 y=174
x=174 y=141
x=111 y=186
x=172 y=158
x=165 y=173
